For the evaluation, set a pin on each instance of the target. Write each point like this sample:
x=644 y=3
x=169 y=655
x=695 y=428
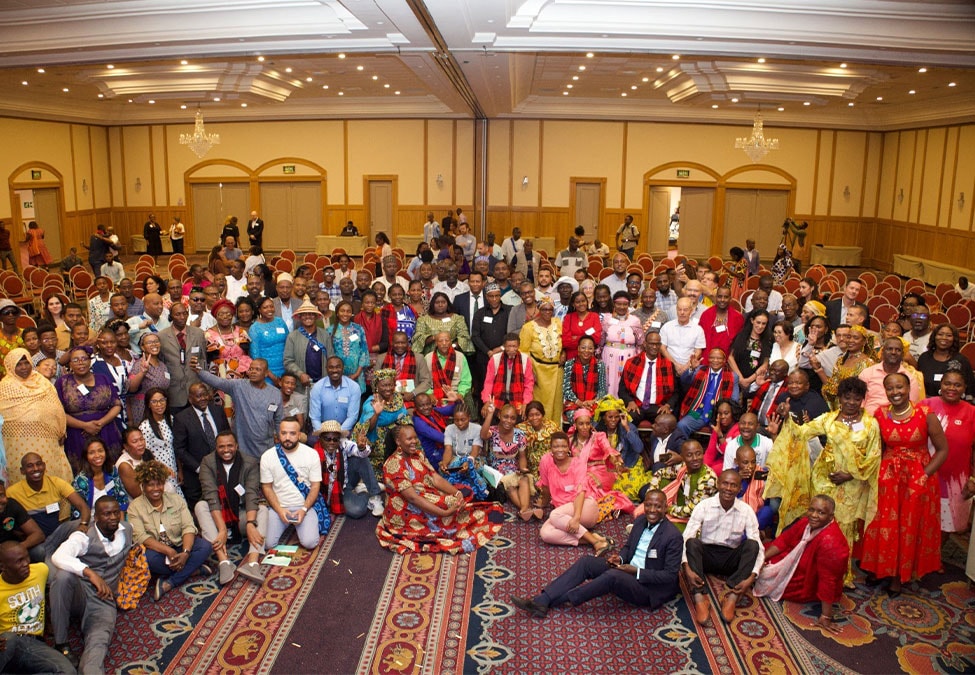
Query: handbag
x=134 y=579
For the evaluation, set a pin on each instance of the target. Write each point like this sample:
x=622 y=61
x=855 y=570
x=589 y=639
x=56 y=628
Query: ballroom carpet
x=353 y=607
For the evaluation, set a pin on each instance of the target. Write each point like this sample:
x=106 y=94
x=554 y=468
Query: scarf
x=517 y=392
x=373 y=327
x=584 y=383
x=776 y=576
x=312 y=339
x=442 y=375
x=229 y=499
x=321 y=510
x=751 y=493
x=333 y=477
x=673 y=488
x=408 y=371
x=30 y=407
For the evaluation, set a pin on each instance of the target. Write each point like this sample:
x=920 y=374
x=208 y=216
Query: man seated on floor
x=90 y=564
x=749 y=436
x=348 y=478
x=686 y=484
x=231 y=485
x=645 y=573
x=291 y=478
x=752 y=487
x=807 y=562
x=48 y=500
x=722 y=537
x=18 y=526
x=22 y=646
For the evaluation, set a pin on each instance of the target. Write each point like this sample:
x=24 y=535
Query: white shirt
x=917 y=345
x=615 y=283
x=724 y=528
x=68 y=555
x=682 y=339
x=306 y=464
x=774 y=303
x=641 y=391
x=451 y=293
x=509 y=248
x=236 y=289
x=762 y=446
x=568 y=262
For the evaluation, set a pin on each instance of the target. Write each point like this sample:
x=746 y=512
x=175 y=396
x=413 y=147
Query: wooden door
x=588 y=200
x=292 y=215
x=381 y=208
x=754 y=214
x=212 y=203
x=659 y=222
x=47 y=213
x=696 y=213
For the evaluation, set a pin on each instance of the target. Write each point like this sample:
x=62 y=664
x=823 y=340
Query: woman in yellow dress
x=541 y=338
x=850 y=364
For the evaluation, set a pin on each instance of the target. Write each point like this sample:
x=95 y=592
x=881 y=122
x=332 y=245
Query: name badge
x=858 y=426
x=489 y=319
x=938 y=376
x=162 y=528
x=720 y=329
x=109 y=485
x=195 y=350
x=343 y=399
x=83 y=389
x=52 y=508
x=281 y=331
x=354 y=337
x=293 y=411
x=754 y=353
x=653 y=553
x=168 y=376
x=590 y=331
x=570 y=488
x=446 y=319
x=239 y=489
x=655 y=324
x=272 y=408
x=315 y=348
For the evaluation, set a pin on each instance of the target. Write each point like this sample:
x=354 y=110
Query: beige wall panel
x=871 y=179
x=387 y=147
x=82 y=169
x=948 y=166
x=499 y=164
x=440 y=153
x=101 y=189
x=115 y=164
x=219 y=171
x=928 y=192
x=888 y=174
x=961 y=218
x=464 y=179
x=589 y=149
x=137 y=167
x=916 y=171
x=904 y=169
x=526 y=161
x=30 y=141
x=847 y=172
x=824 y=172
x=159 y=167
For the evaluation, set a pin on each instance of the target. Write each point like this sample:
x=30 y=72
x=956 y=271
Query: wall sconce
x=846 y=192
x=439 y=180
x=524 y=182
x=900 y=196
x=961 y=200
x=84 y=185
x=138 y=184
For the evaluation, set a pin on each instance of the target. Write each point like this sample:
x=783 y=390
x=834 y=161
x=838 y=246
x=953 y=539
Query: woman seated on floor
x=564 y=483
x=426 y=514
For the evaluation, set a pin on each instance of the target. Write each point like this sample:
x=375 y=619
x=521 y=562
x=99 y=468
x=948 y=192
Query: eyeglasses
x=157 y=400
x=197 y=299
x=9 y=311
x=916 y=315
x=331 y=438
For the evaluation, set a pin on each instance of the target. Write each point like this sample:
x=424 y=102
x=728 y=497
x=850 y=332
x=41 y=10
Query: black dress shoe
x=536 y=610
x=65 y=650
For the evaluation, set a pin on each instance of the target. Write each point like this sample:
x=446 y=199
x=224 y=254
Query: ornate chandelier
x=757 y=146
x=199 y=141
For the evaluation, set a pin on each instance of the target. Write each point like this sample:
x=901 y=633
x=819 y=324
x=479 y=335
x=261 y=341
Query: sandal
x=525 y=514
x=608 y=545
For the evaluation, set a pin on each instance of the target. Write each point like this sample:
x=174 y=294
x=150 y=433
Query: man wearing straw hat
x=307 y=347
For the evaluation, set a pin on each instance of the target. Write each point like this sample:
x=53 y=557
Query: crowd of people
x=172 y=428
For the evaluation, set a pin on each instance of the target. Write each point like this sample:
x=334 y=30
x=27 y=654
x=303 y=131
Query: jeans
x=28 y=654
x=9 y=255
x=691 y=423
x=208 y=528
x=354 y=503
x=198 y=554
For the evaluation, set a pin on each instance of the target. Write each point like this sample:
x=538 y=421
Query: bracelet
x=305 y=509
x=84 y=523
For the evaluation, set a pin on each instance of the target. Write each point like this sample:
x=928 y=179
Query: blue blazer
x=661 y=573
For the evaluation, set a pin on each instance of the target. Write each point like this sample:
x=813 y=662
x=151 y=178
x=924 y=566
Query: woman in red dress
x=903 y=542
x=578 y=323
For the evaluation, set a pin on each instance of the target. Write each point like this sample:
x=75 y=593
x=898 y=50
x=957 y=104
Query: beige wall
x=847 y=184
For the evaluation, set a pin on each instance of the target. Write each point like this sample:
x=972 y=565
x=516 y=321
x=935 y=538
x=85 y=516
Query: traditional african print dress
x=621 y=340
x=538 y=442
x=958 y=421
x=350 y=346
x=544 y=345
x=405 y=528
x=904 y=540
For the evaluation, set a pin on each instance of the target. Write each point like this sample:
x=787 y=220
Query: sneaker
x=252 y=572
x=205 y=570
x=376 y=504
x=160 y=590
x=226 y=571
x=361 y=488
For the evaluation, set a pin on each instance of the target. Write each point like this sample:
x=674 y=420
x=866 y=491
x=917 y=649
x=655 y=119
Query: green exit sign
x=683 y=173
x=289 y=168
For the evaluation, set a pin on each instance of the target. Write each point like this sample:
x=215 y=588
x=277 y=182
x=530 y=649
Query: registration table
x=325 y=244
x=408 y=242
x=546 y=244
x=835 y=256
x=931 y=271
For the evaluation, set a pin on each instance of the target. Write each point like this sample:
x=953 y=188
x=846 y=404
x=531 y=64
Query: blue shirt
x=340 y=404
x=639 y=558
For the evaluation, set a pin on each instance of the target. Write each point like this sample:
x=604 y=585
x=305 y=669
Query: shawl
x=517 y=392
x=32 y=401
x=776 y=576
x=409 y=365
x=443 y=375
x=585 y=383
x=229 y=499
x=373 y=327
x=321 y=510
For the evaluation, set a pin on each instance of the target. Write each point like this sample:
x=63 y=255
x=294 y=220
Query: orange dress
x=904 y=538
x=36 y=248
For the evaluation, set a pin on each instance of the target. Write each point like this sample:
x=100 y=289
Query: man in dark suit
x=178 y=344
x=836 y=309
x=646 y=398
x=645 y=573
x=194 y=438
x=466 y=304
x=255 y=230
x=488 y=329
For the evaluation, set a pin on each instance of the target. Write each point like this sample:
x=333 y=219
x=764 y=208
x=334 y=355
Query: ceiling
x=859 y=64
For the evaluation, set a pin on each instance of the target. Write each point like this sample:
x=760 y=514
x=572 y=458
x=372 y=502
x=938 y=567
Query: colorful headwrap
x=384 y=374
x=610 y=402
x=818 y=308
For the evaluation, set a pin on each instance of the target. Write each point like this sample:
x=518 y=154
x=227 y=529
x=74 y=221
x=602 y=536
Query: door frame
x=394 y=216
x=573 y=181
x=14 y=185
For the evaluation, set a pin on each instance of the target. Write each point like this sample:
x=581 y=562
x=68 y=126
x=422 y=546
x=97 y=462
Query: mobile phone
x=761 y=474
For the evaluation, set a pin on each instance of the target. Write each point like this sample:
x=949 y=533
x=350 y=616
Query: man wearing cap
x=9 y=332
x=307 y=348
x=286 y=306
x=488 y=328
x=348 y=481
x=565 y=288
x=153 y=319
x=571 y=259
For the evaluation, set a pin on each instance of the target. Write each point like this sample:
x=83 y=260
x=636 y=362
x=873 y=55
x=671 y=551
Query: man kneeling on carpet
x=807 y=562
x=231 y=486
x=645 y=573
x=722 y=537
x=291 y=478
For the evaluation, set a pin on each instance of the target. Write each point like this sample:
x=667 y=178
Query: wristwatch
x=252 y=522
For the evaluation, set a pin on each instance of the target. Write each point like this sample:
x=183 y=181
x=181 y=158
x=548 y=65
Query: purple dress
x=87 y=408
x=156 y=376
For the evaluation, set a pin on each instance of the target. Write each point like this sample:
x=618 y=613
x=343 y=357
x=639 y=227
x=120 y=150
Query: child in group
x=461 y=464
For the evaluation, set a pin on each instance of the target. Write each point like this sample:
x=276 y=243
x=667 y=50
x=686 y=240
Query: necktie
x=208 y=431
x=773 y=389
x=181 y=339
x=477 y=303
x=648 y=392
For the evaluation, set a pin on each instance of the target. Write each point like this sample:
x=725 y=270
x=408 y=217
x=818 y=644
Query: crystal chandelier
x=199 y=141
x=757 y=146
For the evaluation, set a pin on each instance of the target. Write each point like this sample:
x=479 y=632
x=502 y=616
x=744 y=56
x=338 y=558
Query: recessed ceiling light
x=341 y=93
x=646 y=79
x=660 y=69
x=65 y=90
x=633 y=86
x=151 y=101
x=575 y=77
x=623 y=94
x=714 y=106
x=324 y=86
x=40 y=70
x=952 y=84
x=922 y=70
x=780 y=109
x=216 y=99
x=360 y=67
x=676 y=57
x=307 y=79
x=589 y=55
x=184 y=62
x=288 y=69
x=375 y=77
x=582 y=68
x=101 y=96
x=110 y=66
x=386 y=86
x=341 y=56
x=842 y=65
x=24 y=82
x=880 y=98
x=243 y=105
x=912 y=92
x=761 y=60
x=806 y=103
x=734 y=100
x=850 y=104
x=568 y=86
x=261 y=59
x=183 y=107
